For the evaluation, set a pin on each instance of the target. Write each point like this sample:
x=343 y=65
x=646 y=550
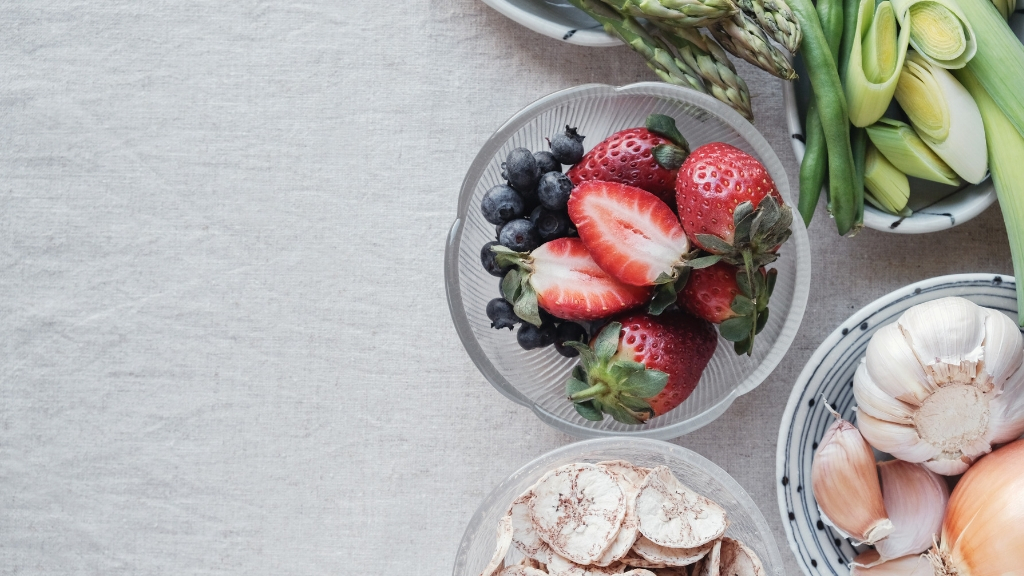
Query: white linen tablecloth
x=225 y=342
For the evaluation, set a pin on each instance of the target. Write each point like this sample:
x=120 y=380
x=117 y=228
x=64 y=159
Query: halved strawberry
x=641 y=366
x=647 y=158
x=722 y=294
x=632 y=235
x=562 y=278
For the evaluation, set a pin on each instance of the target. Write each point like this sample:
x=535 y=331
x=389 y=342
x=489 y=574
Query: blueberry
x=553 y=190
x=567 y=148
x=546 y=162
x=501 y=204
x=520 y=235
x=489 y=259
x=530 y=336
x=569 y=331
x=501 y=314
x=522 y=171
x=497 y=231
x=550 y=224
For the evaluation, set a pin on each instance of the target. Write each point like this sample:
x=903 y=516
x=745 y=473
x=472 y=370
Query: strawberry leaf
x=742 y=305
x=664 y=296
x=639 y=406
x=668 y=156
x=645 y=384
x=607 y=342
x=587 y=358
x=589 y=411
x=714 y=244
x=735 y=329
x=665 y=126
x=512 y=285
x=743 y=282
x=574 y=386
x=622 y=414
x=578 y=372
x=773 y=275
x=526 y=305
x=704 y=261
x=743 y=347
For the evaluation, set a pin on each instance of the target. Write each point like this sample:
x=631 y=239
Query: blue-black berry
x=521 y=170
x=569 y=331
x=489 y=259
x=520 y=236
x=567 y=147
x=550 y=224
x=531 y=337
x=546 y=162
x=553 y=190
x=501 y=314
x=501 y=204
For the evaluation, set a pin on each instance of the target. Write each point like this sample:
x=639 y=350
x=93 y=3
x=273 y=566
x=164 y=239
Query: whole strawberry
x=729 y=206
x=647 y=158
x=722 y=294
x=641 y=366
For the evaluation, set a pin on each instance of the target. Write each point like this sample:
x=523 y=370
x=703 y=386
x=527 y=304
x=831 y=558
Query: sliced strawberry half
x=561 y=277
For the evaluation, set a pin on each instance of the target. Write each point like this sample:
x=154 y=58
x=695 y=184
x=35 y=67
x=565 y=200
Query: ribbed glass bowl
x=745 y=520
x=536 y=378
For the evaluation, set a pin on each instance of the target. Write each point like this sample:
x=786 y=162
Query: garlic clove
x=915 y=499
x=1007 y=411
x=845 y=484
x=872 y=400
x=1004 y=349
x=894 y=367
x=870 y=564
x=946 y=336
x=948 y=466
x=901 y=441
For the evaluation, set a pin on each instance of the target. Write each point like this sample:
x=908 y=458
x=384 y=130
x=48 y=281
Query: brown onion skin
x=983 y=528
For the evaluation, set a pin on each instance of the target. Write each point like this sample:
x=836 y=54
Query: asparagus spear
x=741 y=36
x=710 y=61
x=682 y=13
x=776 y=19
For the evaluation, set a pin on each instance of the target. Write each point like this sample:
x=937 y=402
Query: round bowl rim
x=760 y=373
x=596 y=38
x=826 y=346
x=969 y=207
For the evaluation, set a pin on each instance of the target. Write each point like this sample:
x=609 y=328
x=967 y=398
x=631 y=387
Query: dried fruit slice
x=675 y=516
x=562 y=567
x=578 y=510
x=670 y=556
x=738 y=560
x=635 y=560
x=711 y=564
x=501 y=547
x=639 y=572
x=520 y=570
x=524 y=533
x=630 y=479
x=672 y=571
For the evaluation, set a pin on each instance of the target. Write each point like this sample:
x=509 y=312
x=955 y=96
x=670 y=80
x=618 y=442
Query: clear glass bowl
x=536 y=378
x=745 y=520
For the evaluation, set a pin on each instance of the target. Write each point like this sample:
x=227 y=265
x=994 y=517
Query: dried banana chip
x=563 y=567
x=738 y=560
x=639 y=572
x=670 y=556
x=636 y=561
x=524 y=533
x=675 y=516
x=504 y=541
x=520 y=570
x=710 y=565
x=578 y=510
x=630 y=479
x=672 y=571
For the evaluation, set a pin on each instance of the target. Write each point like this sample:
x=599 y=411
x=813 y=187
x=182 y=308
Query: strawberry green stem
x=594 y=391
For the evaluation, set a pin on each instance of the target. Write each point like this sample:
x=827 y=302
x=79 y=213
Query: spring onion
x=876 y=57
x=906 y=151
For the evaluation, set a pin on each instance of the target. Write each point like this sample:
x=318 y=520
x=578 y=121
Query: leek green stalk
x=876 y=57
x=939 y=31
x=1005 y=7
x=944 y=115
x=999 y=63
x=1005 y=151
x=889 y=188
x=901 y=146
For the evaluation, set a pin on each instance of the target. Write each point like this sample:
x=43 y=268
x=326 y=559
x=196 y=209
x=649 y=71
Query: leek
x=1005 y=151
x=876 y=58
x=944 y=115
x=1005 y=7
x=999 y=63
x=939 y=31
x=888 y=187
x=908 y=153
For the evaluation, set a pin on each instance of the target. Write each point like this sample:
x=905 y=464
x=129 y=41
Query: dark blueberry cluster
x=528 y=210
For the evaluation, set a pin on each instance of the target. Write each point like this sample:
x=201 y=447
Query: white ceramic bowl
x=556 y=19
x=536 y=378
x=819 y=549
x=745 y=520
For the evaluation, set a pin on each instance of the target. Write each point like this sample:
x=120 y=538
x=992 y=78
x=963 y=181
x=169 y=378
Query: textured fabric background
x=224 y=343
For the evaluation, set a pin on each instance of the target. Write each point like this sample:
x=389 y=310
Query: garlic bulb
x=942 y=384
x=983 y=529
x=870 y=564
x=915 y=499
x=845 y=484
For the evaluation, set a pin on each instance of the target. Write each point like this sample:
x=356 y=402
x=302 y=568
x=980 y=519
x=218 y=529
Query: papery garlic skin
x=983 y=528
x=870 y=564
x=942 y=384
x=845 y=484
x=915 y=499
